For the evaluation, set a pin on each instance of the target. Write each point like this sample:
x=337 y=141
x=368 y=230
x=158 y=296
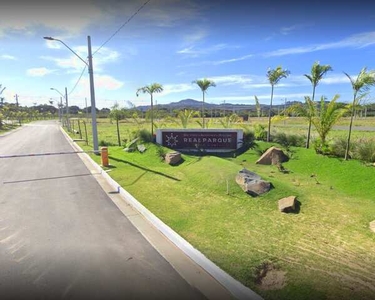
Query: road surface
x=62 y=237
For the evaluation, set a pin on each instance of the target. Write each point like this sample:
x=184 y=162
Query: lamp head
x=49 y=38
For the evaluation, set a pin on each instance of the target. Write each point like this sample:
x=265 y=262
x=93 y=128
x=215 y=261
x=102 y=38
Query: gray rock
x=287 y=204
x=141 y=148
x=372 y=226
x=273 y=156
x=173 y=158
x=252 y=183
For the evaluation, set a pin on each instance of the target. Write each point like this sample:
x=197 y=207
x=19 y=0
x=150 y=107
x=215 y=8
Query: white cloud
x=192 y=51
x=38 y=72
x=8 y=57
x=225 y=61
x=104 y=56
x=290 y=29
x=196 y=36
x=177 y=88
x=25 y=17
x=354 y=41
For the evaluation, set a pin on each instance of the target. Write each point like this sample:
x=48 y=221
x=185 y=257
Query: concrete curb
x=237 y=289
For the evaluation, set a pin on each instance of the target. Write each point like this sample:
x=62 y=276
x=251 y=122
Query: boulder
x=372 y=226
x=252 y=183
x=273 y=156
x=173 y=158
x=141 y=148
x=287 y=204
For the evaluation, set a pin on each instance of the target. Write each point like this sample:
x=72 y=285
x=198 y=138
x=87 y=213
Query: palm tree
x=151 y=89
x=327 y=116
x=185 y=116
x=317 y=73
x=360 y=86
x=204 y=84
x=274 y=76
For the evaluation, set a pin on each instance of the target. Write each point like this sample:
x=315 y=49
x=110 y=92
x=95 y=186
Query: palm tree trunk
x=203 y=112
x=152 y=116
x=350 y=130
x=309 y=129
x=269 y=118
x=118 y=132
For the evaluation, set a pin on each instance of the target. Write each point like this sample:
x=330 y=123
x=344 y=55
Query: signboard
x=212 y=140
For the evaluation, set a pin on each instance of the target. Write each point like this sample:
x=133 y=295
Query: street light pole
x=67 y=106
x=92 y=88
x=92 y=94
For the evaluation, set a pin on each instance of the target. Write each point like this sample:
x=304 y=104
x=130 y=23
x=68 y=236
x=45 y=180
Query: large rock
x=273 y=156
x=173 y=158
x=372 y=226
x=287 y=204
x=252 y=183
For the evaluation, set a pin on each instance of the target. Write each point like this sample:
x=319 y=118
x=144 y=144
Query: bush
x=260 y=132
x=104 y=143
x=161 y=152
x=365 y=150
x=338 y=147
x=145 y=136
x=289 y=140
x=248 y=140
x=321 y=148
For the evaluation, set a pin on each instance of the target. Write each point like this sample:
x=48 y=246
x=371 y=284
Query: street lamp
x=67 y=105
x=92 y=89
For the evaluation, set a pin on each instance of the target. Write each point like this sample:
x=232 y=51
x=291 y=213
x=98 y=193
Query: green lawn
x=326 y=250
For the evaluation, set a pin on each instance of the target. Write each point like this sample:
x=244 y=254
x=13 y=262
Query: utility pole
x=67 y=109
x=16 y=96
x=60 y=109
x=92 y=93
x=87 y=114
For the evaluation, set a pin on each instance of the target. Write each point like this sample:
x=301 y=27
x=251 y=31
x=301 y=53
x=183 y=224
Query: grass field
x=326 y=251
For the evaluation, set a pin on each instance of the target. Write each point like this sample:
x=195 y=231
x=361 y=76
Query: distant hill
x=195 y=104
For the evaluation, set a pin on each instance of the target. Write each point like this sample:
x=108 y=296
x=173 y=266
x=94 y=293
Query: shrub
x=161 y=152
x=289 y=140
x=248 y=139
x=365 y=150
x=260 y=132
x=145 y=136
x=104 y=143
x=321 y=148
x=338 y=147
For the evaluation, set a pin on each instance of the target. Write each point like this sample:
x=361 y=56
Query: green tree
x=317 y=73
x=327 y=115
x=117 y=114
x=228 y=121
x=257 y=105
x=360 y=86
x=151 y=89
x=185 y=115
x=274 y=76
x=204 y=84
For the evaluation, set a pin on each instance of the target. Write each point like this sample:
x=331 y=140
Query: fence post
x=104 y=155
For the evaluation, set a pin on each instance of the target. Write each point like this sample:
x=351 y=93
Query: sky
x=174 y=42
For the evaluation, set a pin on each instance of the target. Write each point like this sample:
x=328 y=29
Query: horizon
x=174 y=43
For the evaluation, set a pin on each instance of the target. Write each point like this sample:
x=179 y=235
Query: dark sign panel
x=199 y=140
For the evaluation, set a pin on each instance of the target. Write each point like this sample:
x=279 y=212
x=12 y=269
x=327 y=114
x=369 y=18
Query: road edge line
x=236 y=288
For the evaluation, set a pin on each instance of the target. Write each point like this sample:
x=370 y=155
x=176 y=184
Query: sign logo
x=171 y=140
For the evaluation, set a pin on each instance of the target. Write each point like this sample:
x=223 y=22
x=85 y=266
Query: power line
x=79 y=79
x=122 y=26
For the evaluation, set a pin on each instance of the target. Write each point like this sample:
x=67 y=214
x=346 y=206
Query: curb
x=237 y=289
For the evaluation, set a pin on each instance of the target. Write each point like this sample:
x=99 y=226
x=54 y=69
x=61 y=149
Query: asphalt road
x=62 y=237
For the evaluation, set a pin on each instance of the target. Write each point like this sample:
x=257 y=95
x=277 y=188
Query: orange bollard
x=104 y=155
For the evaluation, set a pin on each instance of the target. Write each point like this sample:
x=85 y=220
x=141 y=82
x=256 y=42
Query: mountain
x=195 y=104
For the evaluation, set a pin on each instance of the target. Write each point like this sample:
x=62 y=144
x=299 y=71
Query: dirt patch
x=270 y=277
